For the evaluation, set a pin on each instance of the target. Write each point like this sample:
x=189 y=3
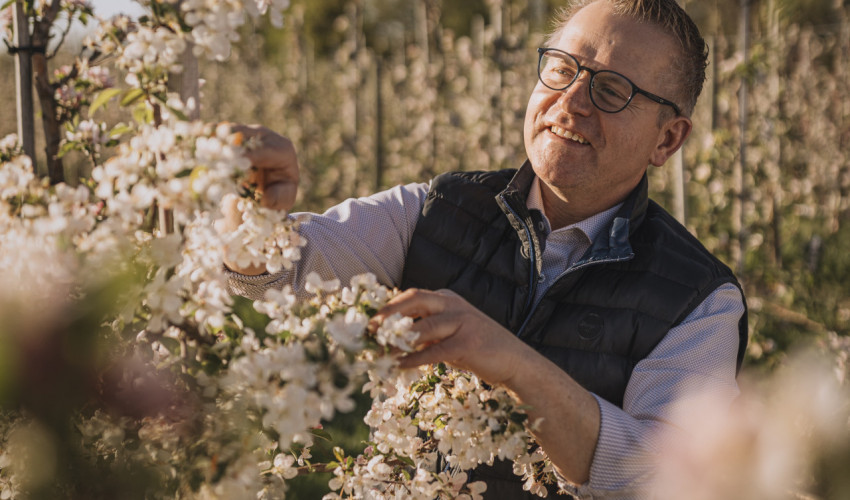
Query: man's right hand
x=274 y=172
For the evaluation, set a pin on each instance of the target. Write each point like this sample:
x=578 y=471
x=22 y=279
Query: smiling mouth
x=566 y=134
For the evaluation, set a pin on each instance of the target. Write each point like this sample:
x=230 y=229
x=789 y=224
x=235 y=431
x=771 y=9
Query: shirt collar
x=591 y=227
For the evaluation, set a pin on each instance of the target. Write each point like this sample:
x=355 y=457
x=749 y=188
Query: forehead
x=602 y=39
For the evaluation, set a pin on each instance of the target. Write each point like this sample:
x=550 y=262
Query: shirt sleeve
x=370 y=234
x=696 y=358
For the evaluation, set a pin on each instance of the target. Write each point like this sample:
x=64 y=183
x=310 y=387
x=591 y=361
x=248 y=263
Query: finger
x=285 y=170
x=269 y=150
x=220 y=226
x=413 y=303
x=230 y=210
x=279 y=196
x=436 y=328
x=436 y=353
x=275 y=171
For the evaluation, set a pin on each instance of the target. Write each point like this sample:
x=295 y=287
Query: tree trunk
x=46 y=91
x=49 y=119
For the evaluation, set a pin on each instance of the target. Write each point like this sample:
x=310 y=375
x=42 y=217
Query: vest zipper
x=531 y=279
x=578 y=266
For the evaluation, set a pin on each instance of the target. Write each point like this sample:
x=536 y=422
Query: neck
x=563 y=211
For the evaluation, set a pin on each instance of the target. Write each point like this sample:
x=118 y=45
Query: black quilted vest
x=607 y=312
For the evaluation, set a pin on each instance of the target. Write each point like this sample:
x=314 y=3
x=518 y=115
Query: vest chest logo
x=591 y=326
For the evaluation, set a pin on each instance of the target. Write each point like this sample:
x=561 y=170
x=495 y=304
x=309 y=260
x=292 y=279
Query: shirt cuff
x=254 y=287
x=622 y=462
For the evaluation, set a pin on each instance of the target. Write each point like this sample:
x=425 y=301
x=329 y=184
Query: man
x=560 y=281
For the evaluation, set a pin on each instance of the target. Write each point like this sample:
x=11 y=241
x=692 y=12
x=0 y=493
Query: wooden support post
x=738 y=240
x=23 y=81
x=379 y=124
x=678 y=180
x=187 y=84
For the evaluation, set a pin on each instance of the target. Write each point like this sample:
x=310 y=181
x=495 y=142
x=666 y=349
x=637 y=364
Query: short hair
x=688 y=70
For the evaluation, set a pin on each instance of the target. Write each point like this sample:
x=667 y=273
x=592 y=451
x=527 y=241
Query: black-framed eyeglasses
x=610 y=91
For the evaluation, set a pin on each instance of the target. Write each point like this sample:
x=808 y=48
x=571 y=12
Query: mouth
x=566 y=134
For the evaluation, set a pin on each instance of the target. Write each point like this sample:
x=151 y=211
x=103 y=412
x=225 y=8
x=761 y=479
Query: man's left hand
x=451 y=330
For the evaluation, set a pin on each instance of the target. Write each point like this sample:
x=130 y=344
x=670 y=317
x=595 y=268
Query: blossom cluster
x=77 y=85
x=36 y=223
x=59 y=243
x=109 y=35
x=10 y=148
x=187 y=168
x=7 y=21
x=215 y=25
x=282 y=377
x=154 y=48
x=207 y=396
x=417 y=415
x=438 y=415
x=772 y=443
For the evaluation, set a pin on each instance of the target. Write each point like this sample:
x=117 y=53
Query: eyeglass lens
x=609 y=91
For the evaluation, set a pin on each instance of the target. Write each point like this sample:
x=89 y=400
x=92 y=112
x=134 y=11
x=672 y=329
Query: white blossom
x=158 y=48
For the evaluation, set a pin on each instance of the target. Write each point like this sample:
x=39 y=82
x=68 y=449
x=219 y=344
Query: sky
x=108 y=8
x=103 y=9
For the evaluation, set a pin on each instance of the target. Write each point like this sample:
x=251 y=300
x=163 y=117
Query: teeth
x=568 y=135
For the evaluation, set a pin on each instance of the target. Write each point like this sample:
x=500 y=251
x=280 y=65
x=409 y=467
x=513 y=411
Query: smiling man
x=560 y=280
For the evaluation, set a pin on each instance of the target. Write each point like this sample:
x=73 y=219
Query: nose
x=575 y=99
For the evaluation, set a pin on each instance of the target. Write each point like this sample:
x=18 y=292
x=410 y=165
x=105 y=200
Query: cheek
x=628 y=145
x=538 y=104
x=528 y=129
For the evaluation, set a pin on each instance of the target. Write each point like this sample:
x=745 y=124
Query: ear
x=671 y=136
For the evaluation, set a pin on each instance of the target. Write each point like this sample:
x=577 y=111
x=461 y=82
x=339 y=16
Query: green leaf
x=439 y=423
x=173 y=345
x=212 y=365
x=66 y=148
x=120 y=129
x=102 y=98
x=142 y=113
x=251 y=318
x=339 y=453
x=132 y=96
x=321 y=433
x=179 y=114
x=518 y=417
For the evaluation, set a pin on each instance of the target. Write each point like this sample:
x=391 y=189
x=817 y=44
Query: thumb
x=232 y=215
x=279 y=195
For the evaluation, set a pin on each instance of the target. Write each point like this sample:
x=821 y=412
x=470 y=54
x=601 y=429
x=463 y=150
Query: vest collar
x=612 y=244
